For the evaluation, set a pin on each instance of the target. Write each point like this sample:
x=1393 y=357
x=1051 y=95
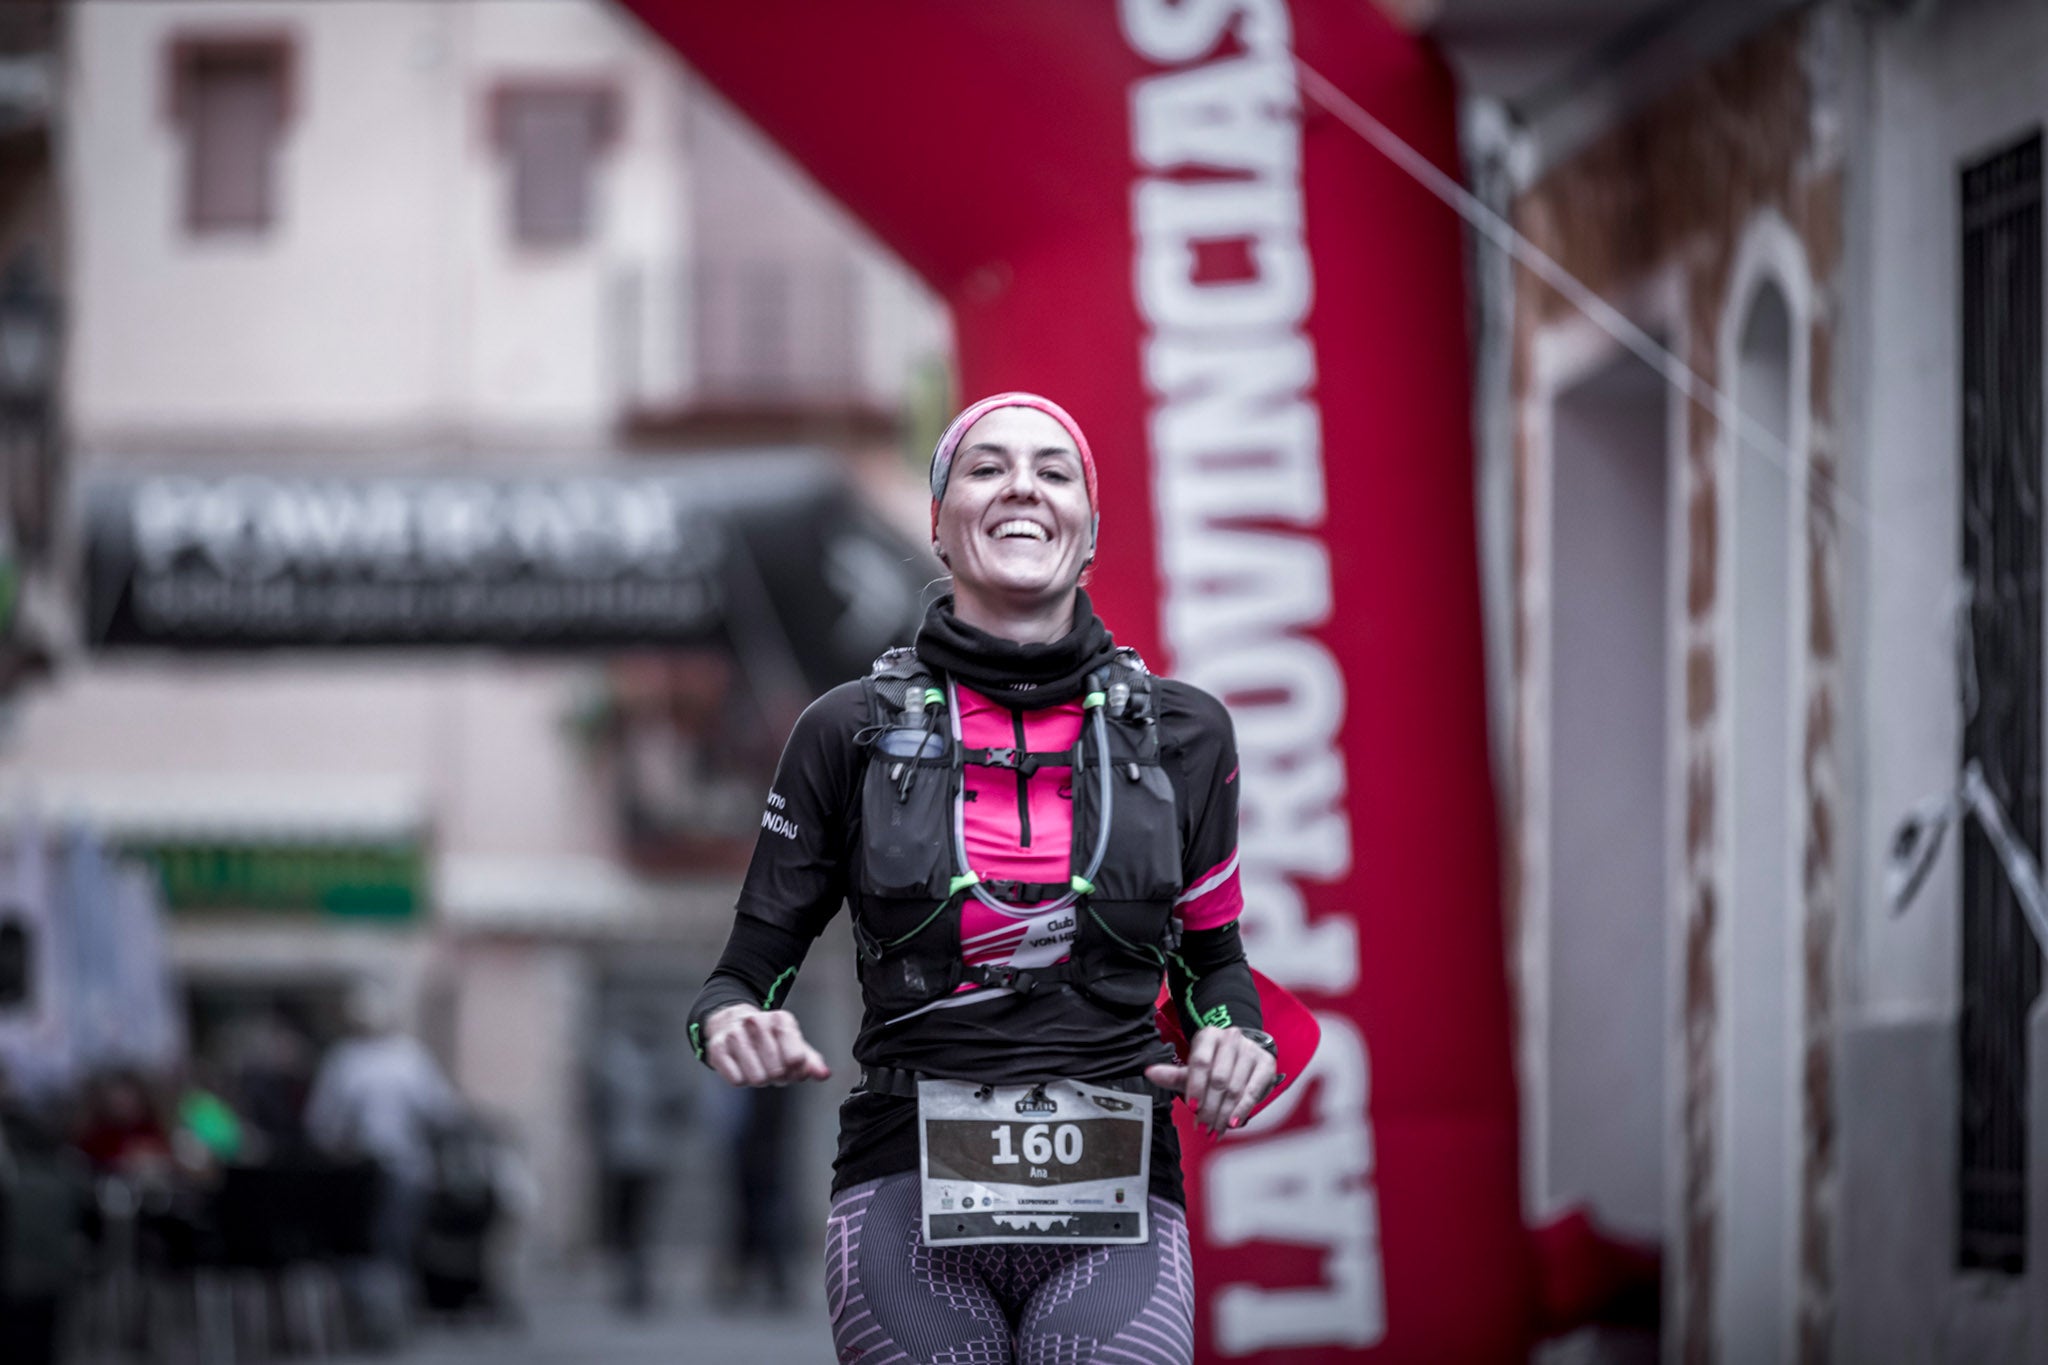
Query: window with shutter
x=2001 y=663
x=551 y=137
x=230 y=100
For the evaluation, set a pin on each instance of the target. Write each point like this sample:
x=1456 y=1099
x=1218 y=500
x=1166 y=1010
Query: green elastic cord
x=1081 y=885
x=1092 y=700
x=962 y=882
x=937 y=910
x=697 y=1040
x=776 y=989
x=934 y=697
x=1188 y=999
x=1104 y=925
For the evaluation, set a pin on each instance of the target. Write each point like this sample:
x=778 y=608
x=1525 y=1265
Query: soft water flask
x=911 y=740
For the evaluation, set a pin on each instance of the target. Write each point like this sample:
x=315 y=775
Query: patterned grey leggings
x=895 y=1301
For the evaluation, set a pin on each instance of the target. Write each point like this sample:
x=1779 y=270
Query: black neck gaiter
x=1028 y=677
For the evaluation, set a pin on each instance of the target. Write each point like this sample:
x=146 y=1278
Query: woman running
x=1032 y=832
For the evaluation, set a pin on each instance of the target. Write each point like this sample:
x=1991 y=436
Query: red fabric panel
x=1587 y=1275
x=1214 y=899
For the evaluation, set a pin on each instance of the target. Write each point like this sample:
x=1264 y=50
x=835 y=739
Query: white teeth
x=1021 y=528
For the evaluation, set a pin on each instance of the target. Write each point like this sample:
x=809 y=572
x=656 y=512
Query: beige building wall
x=387 y=305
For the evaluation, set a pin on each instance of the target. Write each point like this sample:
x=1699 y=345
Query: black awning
x=770 y=554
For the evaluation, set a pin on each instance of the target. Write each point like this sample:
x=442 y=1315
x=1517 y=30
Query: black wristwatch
x=1264 y=1040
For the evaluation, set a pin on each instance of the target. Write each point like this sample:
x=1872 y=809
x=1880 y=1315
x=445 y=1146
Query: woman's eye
x=1055 y=474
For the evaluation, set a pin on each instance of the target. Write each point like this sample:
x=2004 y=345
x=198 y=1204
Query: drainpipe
x=1491 y=144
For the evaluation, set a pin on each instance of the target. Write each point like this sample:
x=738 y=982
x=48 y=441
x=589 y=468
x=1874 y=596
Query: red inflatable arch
x=1261 y=324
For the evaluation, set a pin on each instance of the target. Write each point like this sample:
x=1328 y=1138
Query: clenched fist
x=752 y=1046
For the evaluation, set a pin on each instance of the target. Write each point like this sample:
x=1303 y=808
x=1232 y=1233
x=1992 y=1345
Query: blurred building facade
x=405 y=237
x=1759 y=608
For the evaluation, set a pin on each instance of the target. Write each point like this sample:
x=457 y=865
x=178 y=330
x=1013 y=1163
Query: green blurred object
x=208 y=1119
x=929 y=401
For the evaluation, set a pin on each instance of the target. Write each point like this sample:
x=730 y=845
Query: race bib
x=1059 y=1162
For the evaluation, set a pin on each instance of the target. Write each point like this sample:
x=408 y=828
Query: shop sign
x=768 y=554
x=350 y=881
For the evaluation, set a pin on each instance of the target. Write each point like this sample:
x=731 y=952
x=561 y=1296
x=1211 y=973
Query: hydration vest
x=911 y=869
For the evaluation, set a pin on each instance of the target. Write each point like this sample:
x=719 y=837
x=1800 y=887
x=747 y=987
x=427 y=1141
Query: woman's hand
x=1226 y=1075
x=752 y=1046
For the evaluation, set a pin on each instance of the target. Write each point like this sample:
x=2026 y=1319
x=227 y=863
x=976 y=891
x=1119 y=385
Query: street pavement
x=570 y=1321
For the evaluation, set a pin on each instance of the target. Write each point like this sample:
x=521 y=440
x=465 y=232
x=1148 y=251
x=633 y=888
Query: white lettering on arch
x=1239 y=497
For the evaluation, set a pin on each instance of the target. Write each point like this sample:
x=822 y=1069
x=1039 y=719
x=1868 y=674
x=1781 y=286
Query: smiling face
x=1015 y=526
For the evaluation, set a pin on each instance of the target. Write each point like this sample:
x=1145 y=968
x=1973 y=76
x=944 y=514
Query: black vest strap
x=1024 y=761
x=1022 y=980
x=1021 y=893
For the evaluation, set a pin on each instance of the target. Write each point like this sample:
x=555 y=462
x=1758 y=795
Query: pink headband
x=942 y=453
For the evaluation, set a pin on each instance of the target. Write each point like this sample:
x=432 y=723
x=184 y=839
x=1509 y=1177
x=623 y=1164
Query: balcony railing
x=774 y=332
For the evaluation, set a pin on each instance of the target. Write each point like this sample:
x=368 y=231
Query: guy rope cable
x=1919 y=835
x=1503 y=234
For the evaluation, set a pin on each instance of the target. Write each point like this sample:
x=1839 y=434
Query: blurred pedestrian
x=637 y=1097
x=758 y=1226
x=122 y=1133
x=273 y=1074
x=45 y=1210
x=380 y=1096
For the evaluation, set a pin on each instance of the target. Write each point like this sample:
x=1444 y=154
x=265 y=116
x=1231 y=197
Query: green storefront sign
x=353 y=881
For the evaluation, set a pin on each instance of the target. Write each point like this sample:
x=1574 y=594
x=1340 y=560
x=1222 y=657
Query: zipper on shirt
x=1023 y=799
